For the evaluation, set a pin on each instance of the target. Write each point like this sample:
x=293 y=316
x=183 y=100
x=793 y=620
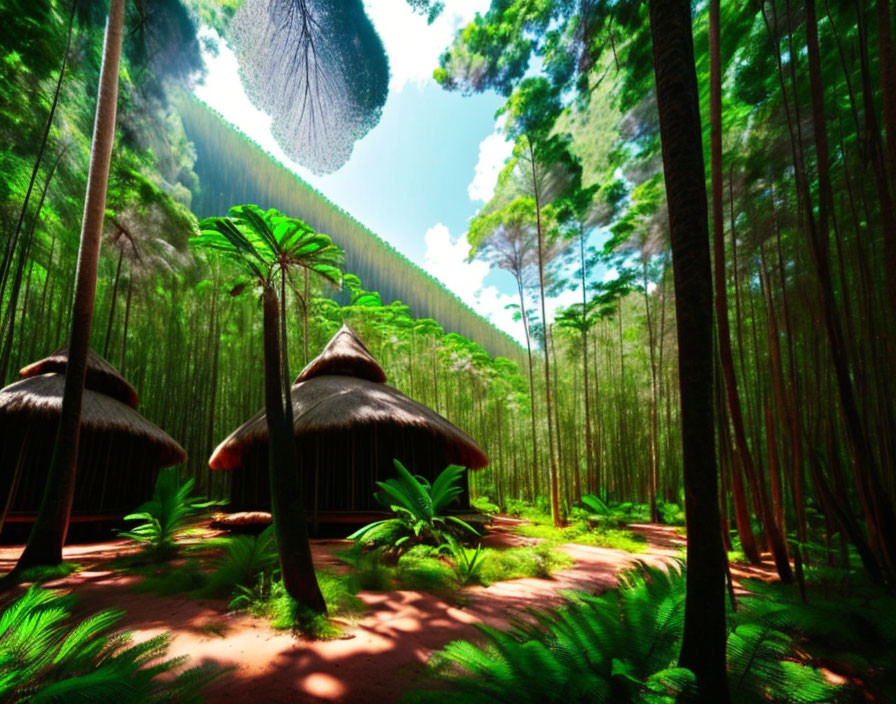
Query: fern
x=45 y=659
x=244 y=559
x=418 y=508
x=619 y=647
x=165 y=515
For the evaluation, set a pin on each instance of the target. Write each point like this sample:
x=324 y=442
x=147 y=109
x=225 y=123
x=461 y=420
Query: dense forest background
x=799 y=136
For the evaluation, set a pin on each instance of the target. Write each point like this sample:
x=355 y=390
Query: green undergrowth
x=579 y=532
x=284 y=613
x=48 y=573
x=622 y=647
x=443 y=572
x=484 y=504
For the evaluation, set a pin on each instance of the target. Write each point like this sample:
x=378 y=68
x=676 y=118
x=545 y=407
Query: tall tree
x=703 y=644
x=267 y=247
x=47 y=536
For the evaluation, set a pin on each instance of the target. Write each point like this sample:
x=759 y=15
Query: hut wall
x=340 y=469
x=113 y=476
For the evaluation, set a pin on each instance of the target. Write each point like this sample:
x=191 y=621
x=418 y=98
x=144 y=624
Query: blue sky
x=418 y=177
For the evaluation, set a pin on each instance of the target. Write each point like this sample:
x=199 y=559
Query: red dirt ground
x=385 y=650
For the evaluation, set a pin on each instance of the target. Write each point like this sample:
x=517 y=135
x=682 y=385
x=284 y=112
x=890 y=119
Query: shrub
x=165 y=515
x=243 y=559
x=619 y=647
x=284 y=613
x=484 y=505
x=419 y=510
x=538 y=561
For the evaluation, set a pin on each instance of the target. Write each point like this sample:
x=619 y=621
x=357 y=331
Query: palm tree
x=703 y=644
x=267 y=247
x=51 y=525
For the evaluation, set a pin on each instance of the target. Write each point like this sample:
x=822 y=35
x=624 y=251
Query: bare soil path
x=385 y=650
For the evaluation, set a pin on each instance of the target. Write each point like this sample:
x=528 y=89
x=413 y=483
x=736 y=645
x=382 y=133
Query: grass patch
x=580 y=533
x=285 y=613
x=168 y=579
x=48 y=573
x=484 y=505
x=515 y=563
x=425 y=573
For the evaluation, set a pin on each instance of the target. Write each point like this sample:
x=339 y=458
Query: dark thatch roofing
x=39 y=398
x=101 y=375
x=336 y=392
x=344 y=355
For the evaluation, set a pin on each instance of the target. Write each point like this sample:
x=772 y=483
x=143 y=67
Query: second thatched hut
x=349 y=426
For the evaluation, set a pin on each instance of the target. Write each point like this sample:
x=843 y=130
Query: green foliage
x=580 y=532
x=619 y=647
x=418 y=507
x=274 y=603
x=425 y=573
x=484 y=505
x=46 y=658
x=172 y=578
x=539 y=561
x=243 y=559
x=261 y=242
x=468 y=563
x=48 y=573
x=166 y=515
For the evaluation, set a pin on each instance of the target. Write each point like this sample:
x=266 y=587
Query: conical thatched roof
x=336 y=392
x=101 y=375
x=39 y=398
x=344 y=355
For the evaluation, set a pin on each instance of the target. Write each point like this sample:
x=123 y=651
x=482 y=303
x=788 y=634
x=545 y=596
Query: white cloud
x=494 y=151
x=413 y=45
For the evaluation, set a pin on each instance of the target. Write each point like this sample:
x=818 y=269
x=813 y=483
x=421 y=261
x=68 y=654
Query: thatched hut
x=349 y=425
x=120 y=451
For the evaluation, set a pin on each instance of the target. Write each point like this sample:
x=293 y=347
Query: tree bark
x=703 y=643
x=287 y=501
x=51 y=525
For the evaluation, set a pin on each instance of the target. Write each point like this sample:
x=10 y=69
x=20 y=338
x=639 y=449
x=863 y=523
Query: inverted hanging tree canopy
x=344 y=388
x=318 y=68
x=102 y=377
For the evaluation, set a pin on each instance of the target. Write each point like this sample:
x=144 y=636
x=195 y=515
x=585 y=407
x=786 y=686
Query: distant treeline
x=262 y=180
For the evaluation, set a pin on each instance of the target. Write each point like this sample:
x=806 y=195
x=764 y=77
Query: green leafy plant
x=244 y=559
x=539 y=561
x=45 y=658
x=619 y=647
x=166 y=515
x=467 y=562
x=485 y=505
x=271 y=600
x=419 y=510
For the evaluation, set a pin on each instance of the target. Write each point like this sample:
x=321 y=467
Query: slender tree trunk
x=112 y=305
x=287 y=501
x=591 y=476
x=525 y=319
x=555 y=475
x=20 y=268
x=881 y=518
x=653 y=479
x=14 y=238
x=306 y=303
x=703 y=643
x=127 y=319
x=49 y=530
